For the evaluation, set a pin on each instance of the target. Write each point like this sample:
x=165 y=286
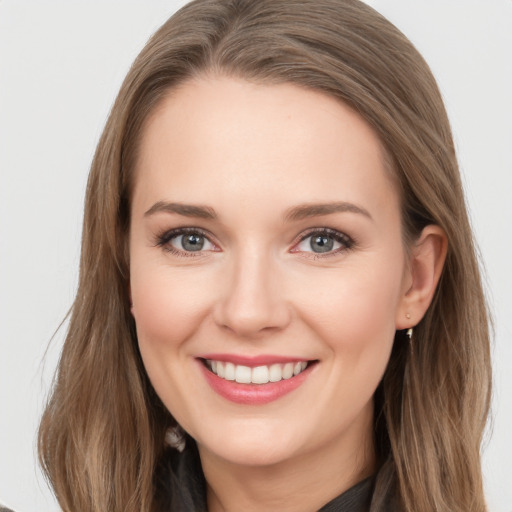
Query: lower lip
x=254 y=394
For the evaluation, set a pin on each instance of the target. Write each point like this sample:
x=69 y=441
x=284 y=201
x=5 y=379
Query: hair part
x=101 y=435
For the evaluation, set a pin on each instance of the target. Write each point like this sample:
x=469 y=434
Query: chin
x=252 y=447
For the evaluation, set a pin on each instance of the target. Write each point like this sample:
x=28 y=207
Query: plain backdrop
x=61 y=64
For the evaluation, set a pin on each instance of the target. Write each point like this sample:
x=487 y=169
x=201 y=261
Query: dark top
x=356 y=499
x=181 y=487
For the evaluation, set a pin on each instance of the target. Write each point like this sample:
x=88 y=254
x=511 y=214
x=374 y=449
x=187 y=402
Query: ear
x=427 y=257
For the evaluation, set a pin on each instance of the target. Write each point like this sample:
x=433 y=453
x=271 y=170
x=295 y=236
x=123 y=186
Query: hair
x=101 y=437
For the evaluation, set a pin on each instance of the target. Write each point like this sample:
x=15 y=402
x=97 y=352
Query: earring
x=408 y=333
x=175 y=438
x=408 y=316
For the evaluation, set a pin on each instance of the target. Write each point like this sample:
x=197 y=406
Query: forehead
x=223 y=139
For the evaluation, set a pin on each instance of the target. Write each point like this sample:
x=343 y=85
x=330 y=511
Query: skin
x=251 y=153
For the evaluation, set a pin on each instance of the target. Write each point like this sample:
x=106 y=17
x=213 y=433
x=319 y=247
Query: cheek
x=354 y=317
x=354 y=308
x=168 y=305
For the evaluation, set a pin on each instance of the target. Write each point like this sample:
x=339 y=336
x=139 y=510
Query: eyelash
x=164 y=239
x=346 y=241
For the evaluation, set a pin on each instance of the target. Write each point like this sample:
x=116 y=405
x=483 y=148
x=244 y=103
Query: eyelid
x=347 y=242
x=163 y=240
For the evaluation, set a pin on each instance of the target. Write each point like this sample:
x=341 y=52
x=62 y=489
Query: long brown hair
x=101 y=435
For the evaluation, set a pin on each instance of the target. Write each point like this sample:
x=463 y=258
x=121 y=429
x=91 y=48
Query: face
x=267 y=268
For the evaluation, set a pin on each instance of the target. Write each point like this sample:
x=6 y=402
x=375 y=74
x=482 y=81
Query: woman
x=279 y=305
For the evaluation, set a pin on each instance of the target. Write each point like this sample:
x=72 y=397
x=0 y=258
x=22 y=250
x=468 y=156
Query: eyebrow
x=305 y=211
x=299 y=212
x=187 y=210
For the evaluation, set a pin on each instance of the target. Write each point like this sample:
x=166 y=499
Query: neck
x=299 y=484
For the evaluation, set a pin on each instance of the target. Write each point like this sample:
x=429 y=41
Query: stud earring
x=408 y=316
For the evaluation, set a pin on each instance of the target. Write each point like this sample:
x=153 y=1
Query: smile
x=255 y=381
x=256 y=375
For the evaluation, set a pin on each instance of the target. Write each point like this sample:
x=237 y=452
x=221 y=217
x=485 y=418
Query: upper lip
x=253 y=361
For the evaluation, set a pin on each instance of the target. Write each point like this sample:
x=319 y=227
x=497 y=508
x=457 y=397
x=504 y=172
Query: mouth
x=258 y=374
x=254 y=382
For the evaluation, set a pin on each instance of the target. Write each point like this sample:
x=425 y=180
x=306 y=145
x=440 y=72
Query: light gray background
x=61 y=64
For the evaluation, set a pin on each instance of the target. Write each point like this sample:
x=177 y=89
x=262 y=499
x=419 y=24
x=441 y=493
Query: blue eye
x=191 y=242
x=185 y=241
x=324 y=241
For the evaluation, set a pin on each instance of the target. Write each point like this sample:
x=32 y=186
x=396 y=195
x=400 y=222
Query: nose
x=252 y=301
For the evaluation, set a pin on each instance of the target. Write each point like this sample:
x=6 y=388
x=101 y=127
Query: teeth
x=258 y=374
x=288 y=371
x=242 y=374
x=229 y=371
x=275 y=373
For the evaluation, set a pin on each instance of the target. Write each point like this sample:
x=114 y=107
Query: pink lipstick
x=254 y=380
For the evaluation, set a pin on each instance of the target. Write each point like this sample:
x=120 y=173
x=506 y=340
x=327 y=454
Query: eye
x=324 y=241
x=191 y=242
x=185 y=241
